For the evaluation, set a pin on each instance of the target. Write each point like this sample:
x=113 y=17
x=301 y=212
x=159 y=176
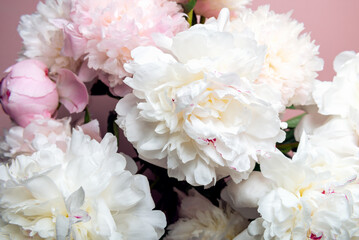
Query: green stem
x=87 y=115
x=190 y=17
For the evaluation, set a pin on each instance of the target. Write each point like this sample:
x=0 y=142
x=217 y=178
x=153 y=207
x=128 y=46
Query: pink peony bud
x=27 y=92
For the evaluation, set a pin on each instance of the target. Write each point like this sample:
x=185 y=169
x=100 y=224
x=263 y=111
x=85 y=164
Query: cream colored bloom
x=200 y=219
x=312 y=197
x=291 y=62
x=194 y=110
x=83 y=193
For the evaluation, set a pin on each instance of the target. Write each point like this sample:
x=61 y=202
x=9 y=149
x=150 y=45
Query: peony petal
x=42 y=187
x=75 y=200
x=130 y=164
x=342 y=58
x=92 y=129
x=87 y=74
x=73 y=93
x=247 y=193
x=74 y=42
x=62 y=227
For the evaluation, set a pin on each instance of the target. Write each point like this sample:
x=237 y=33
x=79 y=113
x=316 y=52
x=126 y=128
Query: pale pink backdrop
x=332 y=23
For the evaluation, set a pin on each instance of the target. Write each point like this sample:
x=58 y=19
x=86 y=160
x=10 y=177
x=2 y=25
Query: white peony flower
x=83 y=193
x=341 y=96
x=291 y=61
x=194 y=111
x=308 y=201
x=200 y=219
x=43 y=40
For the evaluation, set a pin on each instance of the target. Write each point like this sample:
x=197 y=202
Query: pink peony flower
x=111 y=29
x=27 y=92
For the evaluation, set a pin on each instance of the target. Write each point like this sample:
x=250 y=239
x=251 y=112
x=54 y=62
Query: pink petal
x=74 y=43
x=92 y=129
x=87 y=74
x=73 y=93
x=32 y=86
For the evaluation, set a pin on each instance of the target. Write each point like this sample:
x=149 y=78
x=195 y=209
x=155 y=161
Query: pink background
x=332 y=23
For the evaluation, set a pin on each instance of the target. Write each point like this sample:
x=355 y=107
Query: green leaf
x=291 y=107
x=188 y=9
x=189 y=6
x=190 y=17
x=287 y=147
x=289 y=137
x=87 y=116
x=293 y=122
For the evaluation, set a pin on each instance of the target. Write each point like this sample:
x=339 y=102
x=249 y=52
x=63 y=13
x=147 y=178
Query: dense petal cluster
x=46 y=196
x=42 y=39
x=41 y=133
x=38 y=134
x=194 y=111
x=111 y=29
x=291 y=61
x=314 y=196
x=200 y=219
x=202 y=102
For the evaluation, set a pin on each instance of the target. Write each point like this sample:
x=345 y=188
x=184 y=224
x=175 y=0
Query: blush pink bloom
x=111 y=29
x=27 y=92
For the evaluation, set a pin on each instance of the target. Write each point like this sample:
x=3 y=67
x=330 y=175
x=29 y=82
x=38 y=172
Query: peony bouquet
x=201 y=90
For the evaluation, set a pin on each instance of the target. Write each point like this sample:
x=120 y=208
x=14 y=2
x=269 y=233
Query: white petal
x=62 y=227
x=75 y=200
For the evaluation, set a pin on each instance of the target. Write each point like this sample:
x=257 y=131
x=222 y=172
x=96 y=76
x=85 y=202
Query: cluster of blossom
x=203 y=101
